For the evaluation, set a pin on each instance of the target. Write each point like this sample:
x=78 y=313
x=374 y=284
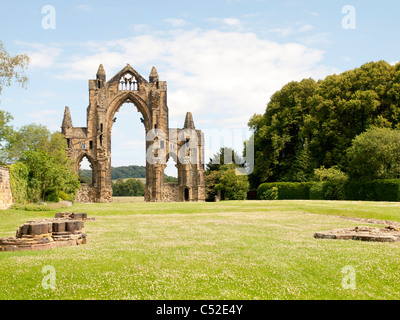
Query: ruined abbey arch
x=184 y=145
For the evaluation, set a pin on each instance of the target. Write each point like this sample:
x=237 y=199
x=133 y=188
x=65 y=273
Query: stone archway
x=150 y=98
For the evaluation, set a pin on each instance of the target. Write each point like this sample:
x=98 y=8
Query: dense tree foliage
x=375 y=154
x=222 y=177
x=11 y=69
x=310 y=124
x=128 y=188
x=39 y=165
x=123 y=172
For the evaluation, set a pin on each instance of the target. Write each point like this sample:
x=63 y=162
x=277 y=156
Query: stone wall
x=171 y=192
x=5 y=189
x=86 y=194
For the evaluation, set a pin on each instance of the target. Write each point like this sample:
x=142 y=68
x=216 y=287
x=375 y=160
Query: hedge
x=19 y=182
x=286 y=190
x=378 y=190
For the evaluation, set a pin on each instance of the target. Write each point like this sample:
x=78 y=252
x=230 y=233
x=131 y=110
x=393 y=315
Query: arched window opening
x=171 y=171
x=85 y=171
x=128 y=82
x=128 y=153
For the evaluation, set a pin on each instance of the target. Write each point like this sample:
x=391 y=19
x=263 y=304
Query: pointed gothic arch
x=150 y=99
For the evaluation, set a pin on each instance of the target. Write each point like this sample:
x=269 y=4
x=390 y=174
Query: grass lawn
x=223 y=250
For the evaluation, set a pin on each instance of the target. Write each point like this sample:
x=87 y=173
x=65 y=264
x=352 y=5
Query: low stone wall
x=86 y=194
x=171 y=192
x=6 y=199
x=45 y=234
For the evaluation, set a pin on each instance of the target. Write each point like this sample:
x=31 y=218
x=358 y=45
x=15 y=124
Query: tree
x=48 y=176
x=30 y=137
x=12 y=68
x=225 y=155
x=375 y=154
x=128 y=188
x=231 y=185
x=49 y=169
x=328 y=115
x=222 y=177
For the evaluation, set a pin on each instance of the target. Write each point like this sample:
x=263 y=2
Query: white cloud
x=291 y=29
x=41 y=56
x=176 y=23
x=228 y=23
x=220 y=76
x=321 y=38
x=83 y=7
x=305 y=28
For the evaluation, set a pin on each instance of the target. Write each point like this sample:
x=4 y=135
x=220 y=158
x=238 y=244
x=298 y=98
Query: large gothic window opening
x=128 y=152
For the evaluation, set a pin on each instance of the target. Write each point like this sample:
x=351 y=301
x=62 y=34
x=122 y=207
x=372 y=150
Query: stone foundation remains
x=387 y=234
x=73 y=216
x=67 y=229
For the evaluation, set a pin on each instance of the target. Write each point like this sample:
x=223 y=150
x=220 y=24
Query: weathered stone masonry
x=6 y=199
x=150 y=98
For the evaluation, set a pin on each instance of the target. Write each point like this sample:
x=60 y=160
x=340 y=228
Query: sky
x=222 y=59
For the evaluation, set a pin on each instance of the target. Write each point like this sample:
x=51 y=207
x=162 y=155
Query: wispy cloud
x=292 y=29
x=83 y=7
x=176 y=23
x=225 y=75
x=42 y=56
x=228 y=23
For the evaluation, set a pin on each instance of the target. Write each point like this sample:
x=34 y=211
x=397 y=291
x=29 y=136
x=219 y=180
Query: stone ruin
x=66 y=229
x=184 y=146
x=387 y=234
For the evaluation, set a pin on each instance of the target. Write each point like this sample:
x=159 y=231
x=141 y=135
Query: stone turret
x=100 y=76
x=153 y=75
x=67 y=121
x=189 y=123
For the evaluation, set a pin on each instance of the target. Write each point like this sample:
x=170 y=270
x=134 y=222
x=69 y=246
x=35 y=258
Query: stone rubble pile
x=66 y=229
x=387 y=234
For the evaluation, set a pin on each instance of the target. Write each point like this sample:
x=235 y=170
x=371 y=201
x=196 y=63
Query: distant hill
x=125 y=172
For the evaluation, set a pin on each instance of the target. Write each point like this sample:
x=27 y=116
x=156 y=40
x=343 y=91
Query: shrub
x=270 y=194
x=64 y=196
x=317 y=191
x=287 y=190
x=377 y=190
x=19 y=182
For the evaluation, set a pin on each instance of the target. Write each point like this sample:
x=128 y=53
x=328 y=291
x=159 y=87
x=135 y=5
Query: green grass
x=224 y=250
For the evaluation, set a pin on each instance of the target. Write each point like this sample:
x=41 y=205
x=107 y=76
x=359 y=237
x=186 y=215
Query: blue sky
x=222 y=60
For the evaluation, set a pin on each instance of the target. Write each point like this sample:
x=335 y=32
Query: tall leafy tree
x=11 y=70
x=328 y=115
x=375 y=154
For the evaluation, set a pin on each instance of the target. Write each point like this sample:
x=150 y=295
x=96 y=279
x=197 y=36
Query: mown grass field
x=225 y=250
